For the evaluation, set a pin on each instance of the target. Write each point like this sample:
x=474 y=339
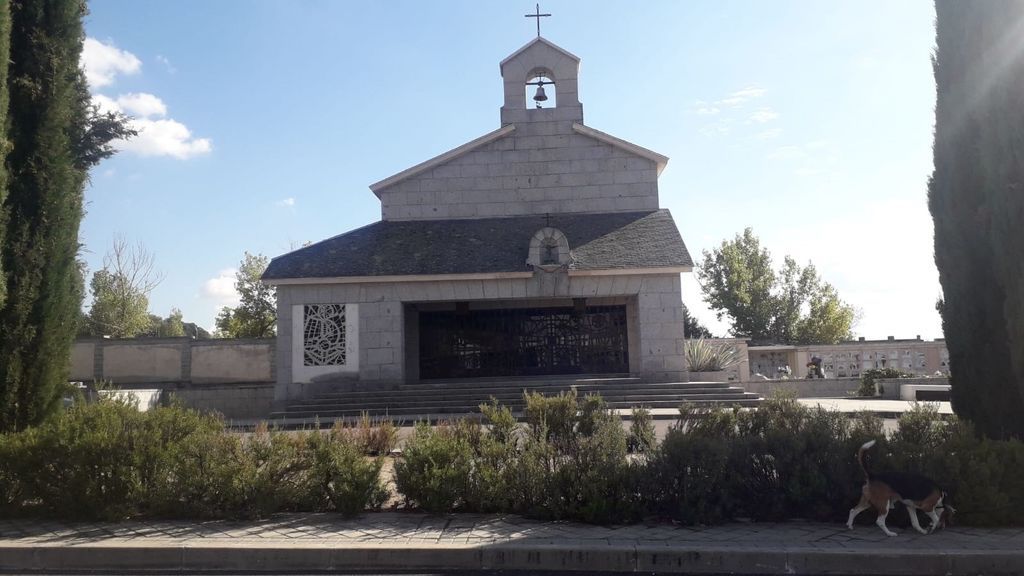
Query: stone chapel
x=537 y=249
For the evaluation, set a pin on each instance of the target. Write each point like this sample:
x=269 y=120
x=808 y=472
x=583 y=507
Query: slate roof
x=487 y=245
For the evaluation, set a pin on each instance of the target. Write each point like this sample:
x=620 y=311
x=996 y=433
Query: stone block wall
x=540 y=168
x=656 y=332
x=139 y=361
x=243 y=402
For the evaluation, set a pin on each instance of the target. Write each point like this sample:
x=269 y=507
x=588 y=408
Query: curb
x=278 y=556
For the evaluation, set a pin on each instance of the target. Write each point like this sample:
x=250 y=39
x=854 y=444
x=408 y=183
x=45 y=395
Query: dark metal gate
x=523 y=342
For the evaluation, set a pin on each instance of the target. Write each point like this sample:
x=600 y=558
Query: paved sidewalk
x=401 y=541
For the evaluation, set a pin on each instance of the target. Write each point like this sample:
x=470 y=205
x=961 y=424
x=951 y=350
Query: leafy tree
x=120 y=291
x=692 y=327
x=976 y=198
x=171 y=327
x=54 y=136
x=791 y=306
x=256 y=314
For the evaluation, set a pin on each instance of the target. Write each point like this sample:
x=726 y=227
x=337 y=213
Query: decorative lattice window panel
x=323 y=335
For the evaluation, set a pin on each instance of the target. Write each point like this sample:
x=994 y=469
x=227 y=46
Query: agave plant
x=703 y=356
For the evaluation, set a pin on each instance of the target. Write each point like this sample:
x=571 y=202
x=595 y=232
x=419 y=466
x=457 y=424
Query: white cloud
x=787 y=153
x=740 y=96
x=703 y=108
x=105 y=103
x=768 y=134
x=167 y=63
x=762 y=115
x=165 y=138
x=157 y=135
x=287 y=202
x=221 y=288
x=142 y=104
x=103 y=62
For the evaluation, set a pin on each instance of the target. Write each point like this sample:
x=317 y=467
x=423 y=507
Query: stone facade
x=542 y=213
x=388 y=340
x=538 y=168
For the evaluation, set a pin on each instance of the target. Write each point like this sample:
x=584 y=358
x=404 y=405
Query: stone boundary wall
x=238 y=402
x=891 y=386
x=834 y=387
x=174 y=361
x=816 y=388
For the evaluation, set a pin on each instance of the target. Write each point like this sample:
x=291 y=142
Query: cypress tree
x=5 y=56
x=56 y=136
x=976 y=197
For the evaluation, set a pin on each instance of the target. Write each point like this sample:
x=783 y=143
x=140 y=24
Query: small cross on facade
x=538 y=16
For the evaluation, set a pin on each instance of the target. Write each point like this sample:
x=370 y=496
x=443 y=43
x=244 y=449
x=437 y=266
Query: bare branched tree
x=121 y=290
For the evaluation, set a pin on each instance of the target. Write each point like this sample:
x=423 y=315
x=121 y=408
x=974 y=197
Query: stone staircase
x=439 y=399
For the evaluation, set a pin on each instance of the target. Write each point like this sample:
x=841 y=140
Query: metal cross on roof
x=538 y=16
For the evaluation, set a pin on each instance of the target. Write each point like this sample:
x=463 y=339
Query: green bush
x=869 y=376
x=642 y=438
x=569 y=462
x=574 y=461
x=340 y=477
x=497 y=479
x=374 y=436
x=434 y=471
x=81 y=465
x=108 y=461
x=687 y=479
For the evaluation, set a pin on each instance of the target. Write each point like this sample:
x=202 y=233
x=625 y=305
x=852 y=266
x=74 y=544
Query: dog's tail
x=860 y=458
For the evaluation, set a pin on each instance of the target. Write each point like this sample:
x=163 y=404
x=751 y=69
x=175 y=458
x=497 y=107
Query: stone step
x=746 y=401
x=516 y=392
x=584 y=380
x=510 y=402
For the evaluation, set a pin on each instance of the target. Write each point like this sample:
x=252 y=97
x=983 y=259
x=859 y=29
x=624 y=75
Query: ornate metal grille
x=523 y=342
x=323 y=335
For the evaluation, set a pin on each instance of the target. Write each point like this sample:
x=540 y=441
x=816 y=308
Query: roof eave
x=542 y=40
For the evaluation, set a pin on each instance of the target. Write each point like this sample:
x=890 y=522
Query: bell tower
x=541 y=84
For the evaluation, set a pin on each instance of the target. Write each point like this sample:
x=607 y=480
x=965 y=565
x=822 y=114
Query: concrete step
x=529 y=381
x=746 y=401
x=500 y=393
x=633 y=400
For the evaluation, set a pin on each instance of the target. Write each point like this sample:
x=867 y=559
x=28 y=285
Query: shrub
x=686 y=477
x=434 y=472
x=80 y=465
x=642 y=437
x=793 y=461
x=869 y=376
x=375 y=436
x=497 y=479
x=340 y=477
x=576 y=450
x=109 y=461
x=555 y=415
x=703 y=356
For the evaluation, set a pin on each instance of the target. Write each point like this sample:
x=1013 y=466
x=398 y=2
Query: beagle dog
x=917 y=492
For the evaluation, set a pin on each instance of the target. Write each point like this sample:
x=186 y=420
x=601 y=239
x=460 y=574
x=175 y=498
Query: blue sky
x=265 y=122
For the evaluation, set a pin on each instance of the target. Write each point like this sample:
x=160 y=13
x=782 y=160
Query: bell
x=540 y=96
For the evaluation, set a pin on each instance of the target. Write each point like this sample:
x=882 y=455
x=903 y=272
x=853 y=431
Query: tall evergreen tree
x=976 y=197
x=56 y=136
x=5 y=57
